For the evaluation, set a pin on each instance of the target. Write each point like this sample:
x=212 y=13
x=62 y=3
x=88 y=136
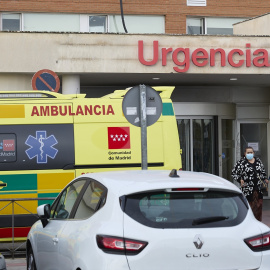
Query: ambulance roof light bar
x=21 y=95
x=37 y=94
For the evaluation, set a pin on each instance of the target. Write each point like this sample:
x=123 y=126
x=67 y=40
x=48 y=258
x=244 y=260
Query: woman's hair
x=248 y=147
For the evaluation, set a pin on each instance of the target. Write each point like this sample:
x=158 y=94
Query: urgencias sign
x=201 y=57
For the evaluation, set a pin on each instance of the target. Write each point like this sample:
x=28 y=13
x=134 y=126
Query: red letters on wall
x=184 y=57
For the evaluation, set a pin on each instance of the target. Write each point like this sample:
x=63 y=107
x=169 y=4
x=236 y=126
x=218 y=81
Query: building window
x=51 y=22
x=195 y=26
x=11 y=22
x=197 y=3
x=139 y=24
x=97 y=24
x=211 y=25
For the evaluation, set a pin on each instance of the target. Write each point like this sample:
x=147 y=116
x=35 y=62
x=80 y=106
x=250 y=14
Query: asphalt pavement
x=20 y=263
x=16 y=264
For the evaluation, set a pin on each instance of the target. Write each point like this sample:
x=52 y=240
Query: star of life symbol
x=119 y=138
x=41 y=147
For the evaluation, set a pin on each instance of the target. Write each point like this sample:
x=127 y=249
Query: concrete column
x=70 y=84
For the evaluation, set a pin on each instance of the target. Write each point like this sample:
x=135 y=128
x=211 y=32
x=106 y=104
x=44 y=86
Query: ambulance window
x=93 y=199
x=62 y=208
x=8 y=148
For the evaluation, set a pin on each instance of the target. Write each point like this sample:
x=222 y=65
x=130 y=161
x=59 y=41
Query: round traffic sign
x=46 y=79
x=131 y=106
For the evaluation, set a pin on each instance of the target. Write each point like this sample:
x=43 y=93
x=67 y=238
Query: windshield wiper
x=204 y=220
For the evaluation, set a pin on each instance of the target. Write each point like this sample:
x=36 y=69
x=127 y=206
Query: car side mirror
x=44 y=213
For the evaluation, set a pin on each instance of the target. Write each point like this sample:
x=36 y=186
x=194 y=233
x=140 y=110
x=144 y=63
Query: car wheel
x=31 y=264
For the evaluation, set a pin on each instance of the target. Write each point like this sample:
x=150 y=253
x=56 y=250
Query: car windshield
x=213 y=208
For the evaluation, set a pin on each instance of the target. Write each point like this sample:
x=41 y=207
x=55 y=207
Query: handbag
x=263 y=184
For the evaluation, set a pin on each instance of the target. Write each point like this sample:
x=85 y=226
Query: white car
x=148 y=220
x=2 y=262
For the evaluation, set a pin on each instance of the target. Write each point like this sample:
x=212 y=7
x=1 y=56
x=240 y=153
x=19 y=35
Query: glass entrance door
x=227 y=148
x=203 y=142
x=197 y=142
x=254 y=135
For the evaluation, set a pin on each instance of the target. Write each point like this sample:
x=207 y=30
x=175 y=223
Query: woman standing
x=249 y=172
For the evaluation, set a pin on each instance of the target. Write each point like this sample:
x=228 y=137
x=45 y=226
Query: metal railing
x=15 y=250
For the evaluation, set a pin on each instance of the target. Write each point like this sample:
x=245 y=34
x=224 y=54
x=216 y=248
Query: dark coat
x=251 y=174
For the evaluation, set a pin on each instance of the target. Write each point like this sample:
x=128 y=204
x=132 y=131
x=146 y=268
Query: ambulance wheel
x=31 y=264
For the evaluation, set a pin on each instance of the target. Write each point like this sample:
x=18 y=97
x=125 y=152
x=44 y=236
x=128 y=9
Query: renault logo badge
x=198 y=241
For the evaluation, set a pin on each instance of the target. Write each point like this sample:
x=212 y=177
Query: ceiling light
x=233 y=79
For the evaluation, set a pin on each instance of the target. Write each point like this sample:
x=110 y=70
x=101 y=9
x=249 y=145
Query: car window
x=186 y=209
x=62 y=208
x=92 y=200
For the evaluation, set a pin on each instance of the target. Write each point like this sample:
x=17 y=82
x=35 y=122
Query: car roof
x=133 y=181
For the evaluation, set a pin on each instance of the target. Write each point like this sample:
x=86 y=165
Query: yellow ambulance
x=47 y=139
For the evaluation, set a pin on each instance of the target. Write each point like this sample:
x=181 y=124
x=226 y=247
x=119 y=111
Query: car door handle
x=55 y=240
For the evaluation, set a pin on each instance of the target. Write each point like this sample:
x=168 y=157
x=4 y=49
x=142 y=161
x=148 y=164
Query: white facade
x=254 y=26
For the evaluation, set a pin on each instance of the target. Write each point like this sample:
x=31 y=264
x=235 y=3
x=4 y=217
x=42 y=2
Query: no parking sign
x=46 y=79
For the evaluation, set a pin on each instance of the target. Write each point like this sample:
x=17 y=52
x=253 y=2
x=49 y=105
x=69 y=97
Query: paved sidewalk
x=16 y=264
